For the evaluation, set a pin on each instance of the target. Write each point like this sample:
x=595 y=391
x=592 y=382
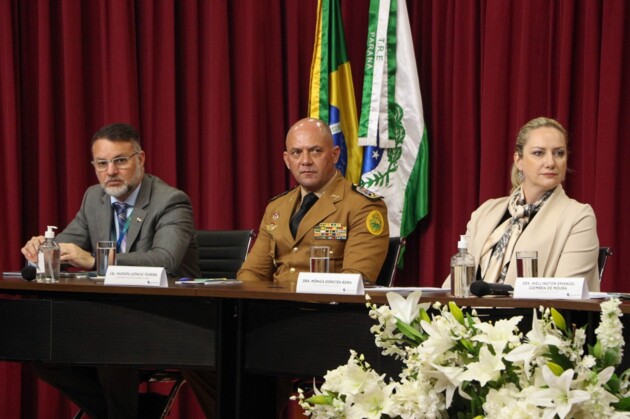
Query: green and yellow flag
x=331 y=96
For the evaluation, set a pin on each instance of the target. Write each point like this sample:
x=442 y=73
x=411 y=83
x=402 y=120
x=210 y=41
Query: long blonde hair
x=522 y=137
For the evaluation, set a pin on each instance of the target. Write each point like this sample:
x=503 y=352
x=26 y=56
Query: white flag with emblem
x=392 y=129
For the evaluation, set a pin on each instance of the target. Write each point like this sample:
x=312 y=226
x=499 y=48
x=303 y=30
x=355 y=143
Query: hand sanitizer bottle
x=48 y=257
x=462 y=269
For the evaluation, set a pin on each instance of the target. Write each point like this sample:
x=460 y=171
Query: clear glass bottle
x=462 y=269
x=48 y=257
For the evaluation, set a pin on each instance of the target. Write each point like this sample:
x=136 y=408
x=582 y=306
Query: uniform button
x=295 y=249
x=292 y=270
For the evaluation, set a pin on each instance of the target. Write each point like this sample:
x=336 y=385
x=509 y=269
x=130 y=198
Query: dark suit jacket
x=161 y=232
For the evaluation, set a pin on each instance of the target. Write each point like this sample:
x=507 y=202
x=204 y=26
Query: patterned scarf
x=497 y=251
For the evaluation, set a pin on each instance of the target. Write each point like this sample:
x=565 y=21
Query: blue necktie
x=121 y=218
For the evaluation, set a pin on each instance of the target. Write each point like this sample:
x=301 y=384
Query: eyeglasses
x=119 y=162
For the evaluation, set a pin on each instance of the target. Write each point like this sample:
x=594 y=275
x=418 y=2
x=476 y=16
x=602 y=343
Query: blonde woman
x=538 y=215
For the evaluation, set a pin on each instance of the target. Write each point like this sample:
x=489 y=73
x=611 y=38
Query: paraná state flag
x=392 y=129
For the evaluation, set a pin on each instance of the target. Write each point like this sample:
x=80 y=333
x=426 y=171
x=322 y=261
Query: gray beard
x=127 y=187
x=119 y=191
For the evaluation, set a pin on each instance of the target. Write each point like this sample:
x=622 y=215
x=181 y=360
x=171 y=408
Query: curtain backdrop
x=214 y=85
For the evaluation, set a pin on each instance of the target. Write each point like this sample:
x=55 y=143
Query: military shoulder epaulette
x=366 y=192
x=282 y=194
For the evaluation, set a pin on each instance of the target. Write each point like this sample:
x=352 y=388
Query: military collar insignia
x=366 y=192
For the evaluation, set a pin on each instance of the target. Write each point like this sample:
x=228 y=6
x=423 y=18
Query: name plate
x=137 y=276
x=551 y=288
x=322 y=283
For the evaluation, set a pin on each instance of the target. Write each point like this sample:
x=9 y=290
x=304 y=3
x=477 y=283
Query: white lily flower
x=371 y=403
x=447 y=380
x=405 y=309
x=558 y=398
x=469 y=357
x=498 y=334
x=488 y=368
x=439 y=340
x=537 y=342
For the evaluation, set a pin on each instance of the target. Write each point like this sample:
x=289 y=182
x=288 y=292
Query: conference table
x=249 y=333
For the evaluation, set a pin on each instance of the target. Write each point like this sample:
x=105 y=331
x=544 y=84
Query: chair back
x=388 y=271
x=604 y=252
x=222 y=252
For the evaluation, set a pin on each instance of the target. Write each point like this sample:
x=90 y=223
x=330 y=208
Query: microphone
x=29 y=272
x=481 y=288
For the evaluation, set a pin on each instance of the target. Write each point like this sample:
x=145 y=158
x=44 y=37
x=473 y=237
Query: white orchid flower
x=405 y=309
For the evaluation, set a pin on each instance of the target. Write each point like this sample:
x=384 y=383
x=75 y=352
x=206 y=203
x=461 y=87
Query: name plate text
x=327 y=283
x=551 y=288
x=137 y=276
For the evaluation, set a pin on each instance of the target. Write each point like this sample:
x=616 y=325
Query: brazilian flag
x=331 y=96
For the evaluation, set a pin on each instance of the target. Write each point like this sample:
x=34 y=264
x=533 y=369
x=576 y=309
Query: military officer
x=348 y=219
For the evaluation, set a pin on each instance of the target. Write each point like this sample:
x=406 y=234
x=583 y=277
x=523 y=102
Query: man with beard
x=157 y=229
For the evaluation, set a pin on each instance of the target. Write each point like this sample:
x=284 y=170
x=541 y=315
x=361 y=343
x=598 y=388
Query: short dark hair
x=117 y=132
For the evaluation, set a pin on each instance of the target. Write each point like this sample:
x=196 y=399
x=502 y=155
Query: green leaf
x=409 y=331
x=456 y=312
x=611 y=357
x=559 y=359
x=597 y=350
x=623 y=404
x=558 y=319
x=614 y=384
x=470 y=347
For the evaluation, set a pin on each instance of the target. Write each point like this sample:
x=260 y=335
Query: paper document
x=208 y=281
x=620 y=295
x=427 y=290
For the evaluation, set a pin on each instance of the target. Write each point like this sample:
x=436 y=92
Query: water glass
x=320 y=259
x=527 y=264
x=105 y=256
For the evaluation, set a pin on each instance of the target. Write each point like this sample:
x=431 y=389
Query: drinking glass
x=527 y=264
x=105 y=256
x=320 y=259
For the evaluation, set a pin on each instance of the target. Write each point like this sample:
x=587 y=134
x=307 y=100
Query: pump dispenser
x=462 y=269
x=48 y=257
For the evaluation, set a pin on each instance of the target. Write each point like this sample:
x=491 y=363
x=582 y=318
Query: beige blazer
x=564 y=233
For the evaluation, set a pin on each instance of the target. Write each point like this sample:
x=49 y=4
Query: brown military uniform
x=348 y=219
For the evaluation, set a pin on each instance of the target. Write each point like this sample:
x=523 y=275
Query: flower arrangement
x=456 y=366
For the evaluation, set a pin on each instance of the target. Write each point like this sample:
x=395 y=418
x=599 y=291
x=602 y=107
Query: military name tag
x=331 y=231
